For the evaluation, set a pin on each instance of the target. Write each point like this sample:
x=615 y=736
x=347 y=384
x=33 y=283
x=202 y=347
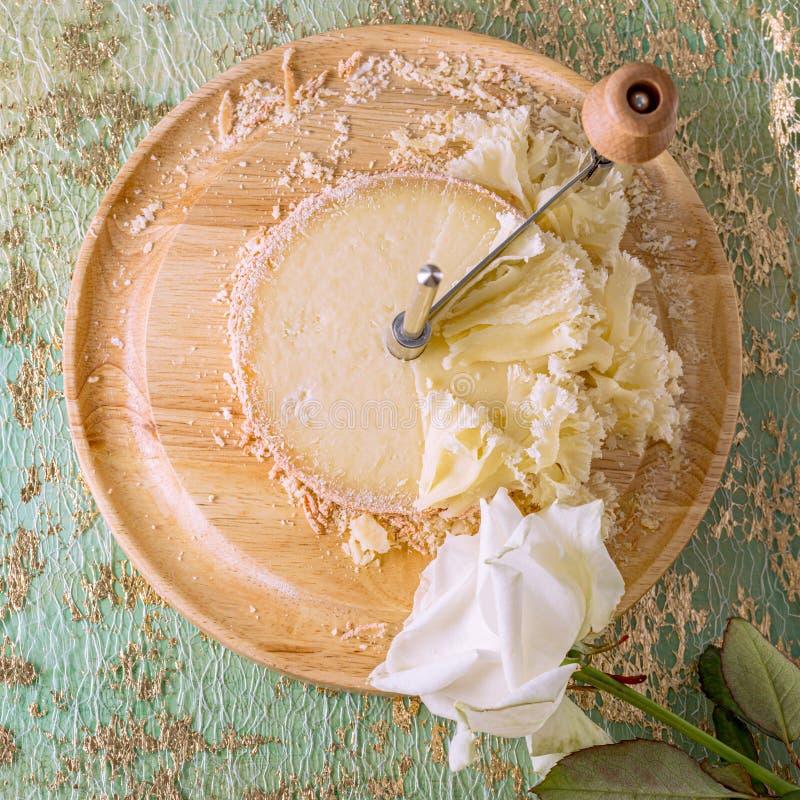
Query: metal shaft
x=411 y=329
x=428 y=279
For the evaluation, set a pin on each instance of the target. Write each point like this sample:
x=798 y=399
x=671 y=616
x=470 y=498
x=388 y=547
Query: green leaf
x=709 y=668
x=734 y=776
x=635 y=770
x=791 y=796
x=731 y=730
x=764 y=683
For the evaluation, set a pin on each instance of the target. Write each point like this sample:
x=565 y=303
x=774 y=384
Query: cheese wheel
x=313 y=300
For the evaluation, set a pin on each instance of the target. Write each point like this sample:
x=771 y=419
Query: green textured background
x=105 y=692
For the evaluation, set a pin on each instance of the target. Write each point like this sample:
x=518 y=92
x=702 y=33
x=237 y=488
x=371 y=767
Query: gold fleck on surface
x=764 y=355
x=8 y=747
x=784 y=118
x=385 y=788
x=133 y=668
x=66 y=110
x=756 y=235
x=404 y=710
x=135 y=587
x=27 y=391
x=436 y=748
x=14 y=670
x=158 y=9
x=162 y=786
x=20 y=565
x=79 y=50
x=32 y=487
x=497 y=770
x=83 y=510
x=380 y=730
x=784 y=123
x=785 y=36
x=122 y=586
x=118 y=742
x=51 y=472
x=81 y=46
x=18 y=296
x=13 y=237
x=249 y=741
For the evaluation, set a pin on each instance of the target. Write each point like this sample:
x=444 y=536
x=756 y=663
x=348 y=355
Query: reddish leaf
x=635 y=770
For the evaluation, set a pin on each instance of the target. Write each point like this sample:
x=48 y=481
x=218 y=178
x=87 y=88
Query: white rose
x=494 y=617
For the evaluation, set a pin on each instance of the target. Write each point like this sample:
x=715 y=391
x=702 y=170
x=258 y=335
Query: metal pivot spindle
x=411 y=329
x=629 y=117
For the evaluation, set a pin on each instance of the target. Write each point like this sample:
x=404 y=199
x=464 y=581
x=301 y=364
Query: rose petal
x=462 y=749
x=568 y=729
x=579 y=529
x=524 y=709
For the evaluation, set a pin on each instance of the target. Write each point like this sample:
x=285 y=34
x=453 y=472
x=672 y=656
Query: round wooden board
x=145 y=358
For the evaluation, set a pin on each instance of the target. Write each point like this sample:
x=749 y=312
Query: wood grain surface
x=145 y=359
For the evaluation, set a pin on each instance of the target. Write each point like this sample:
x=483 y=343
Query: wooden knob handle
x=630 y=115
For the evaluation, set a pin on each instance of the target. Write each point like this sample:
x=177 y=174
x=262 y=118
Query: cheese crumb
x=348 y=65
x=367 y=539
x=289 y=82
x=225 y=116
x=147 y=214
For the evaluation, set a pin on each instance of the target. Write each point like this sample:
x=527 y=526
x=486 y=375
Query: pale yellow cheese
x=583 y=361
x=368 y=538
x=537 y=302
x=466 y=457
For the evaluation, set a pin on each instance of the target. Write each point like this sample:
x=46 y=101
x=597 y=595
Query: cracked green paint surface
x=105 y=692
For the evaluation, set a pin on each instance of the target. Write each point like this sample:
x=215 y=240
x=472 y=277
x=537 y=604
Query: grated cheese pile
x=549 y=357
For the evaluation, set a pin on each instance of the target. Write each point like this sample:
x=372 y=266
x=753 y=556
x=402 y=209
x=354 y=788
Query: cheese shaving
x=552 y=337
